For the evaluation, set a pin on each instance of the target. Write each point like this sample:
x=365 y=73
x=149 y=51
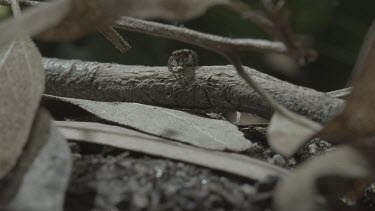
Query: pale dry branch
x=204 y=40
x=115 y=38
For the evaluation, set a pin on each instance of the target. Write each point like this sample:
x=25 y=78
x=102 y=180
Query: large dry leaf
x=36 y=140
x=33 y=21
x=21 y=87
x=172 y=124
x=298 y=192
x=286 y=135
x=135 y=141
x=172 y=10
x=46 y=165
x=358 y=118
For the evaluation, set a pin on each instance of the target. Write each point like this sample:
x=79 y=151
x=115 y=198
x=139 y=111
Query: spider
x=183 y=63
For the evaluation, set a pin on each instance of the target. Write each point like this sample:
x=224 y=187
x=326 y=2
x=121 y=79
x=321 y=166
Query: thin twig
x=275 y=105
x=187 y=35
x=341 y=93
x=208 y=41
x=16 y=10
x=274 y=21
x=115 y=38
x=255 y=17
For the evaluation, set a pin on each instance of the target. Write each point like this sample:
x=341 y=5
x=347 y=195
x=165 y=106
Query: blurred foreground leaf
x=21 y=86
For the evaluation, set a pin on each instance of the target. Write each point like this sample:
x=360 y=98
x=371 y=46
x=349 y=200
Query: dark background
x=335 y=28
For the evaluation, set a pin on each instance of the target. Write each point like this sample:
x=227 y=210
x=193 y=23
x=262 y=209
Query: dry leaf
x=47 y=169
x=36 y=140
x=33 y=21
x=355 y=124
x=358 y=118
x=172 y=10
x=21 y=87
x=298 y=192
x=172 y=124
x=135 y=141
x=285 y=136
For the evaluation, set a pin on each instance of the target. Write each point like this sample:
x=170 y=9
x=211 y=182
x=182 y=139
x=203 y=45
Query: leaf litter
x=132 y=140
x=168 y=123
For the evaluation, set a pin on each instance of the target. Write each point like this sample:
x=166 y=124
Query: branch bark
x=215 y=88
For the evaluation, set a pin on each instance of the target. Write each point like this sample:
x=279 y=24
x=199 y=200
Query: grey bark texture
x=215 y=88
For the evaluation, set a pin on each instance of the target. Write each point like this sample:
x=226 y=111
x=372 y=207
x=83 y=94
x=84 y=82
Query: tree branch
x=208 y=41
x=215 y=88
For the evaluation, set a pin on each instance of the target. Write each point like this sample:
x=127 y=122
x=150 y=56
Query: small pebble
x=313 y=149
x=159 y=173
x=291 y=162
x=278 y=160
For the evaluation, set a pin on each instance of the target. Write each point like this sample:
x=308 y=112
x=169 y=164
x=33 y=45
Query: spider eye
x=173 y=63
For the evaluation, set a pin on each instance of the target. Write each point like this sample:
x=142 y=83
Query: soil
x=108 y=179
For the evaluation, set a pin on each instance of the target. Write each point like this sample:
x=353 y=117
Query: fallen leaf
x=354 y=125
x=21 y=86
x=135 y=141
x=33 y=21
x=285 y=135
x=37 y=139
x=172 y=124
x=298 y=192
x=47 y=169
x=357 y=120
